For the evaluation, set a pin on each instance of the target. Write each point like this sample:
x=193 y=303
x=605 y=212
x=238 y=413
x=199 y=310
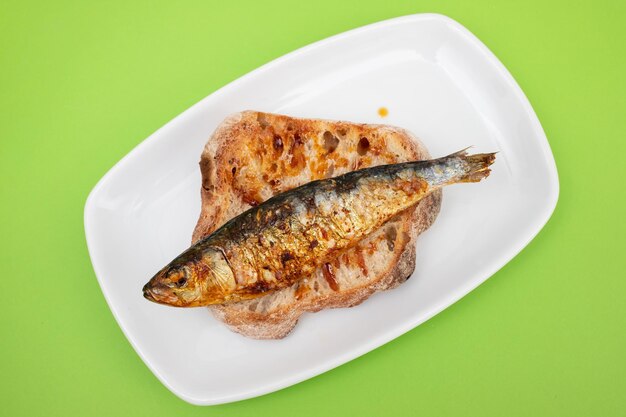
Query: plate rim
x=394 y=332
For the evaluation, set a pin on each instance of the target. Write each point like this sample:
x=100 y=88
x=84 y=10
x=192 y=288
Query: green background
x=82 y=83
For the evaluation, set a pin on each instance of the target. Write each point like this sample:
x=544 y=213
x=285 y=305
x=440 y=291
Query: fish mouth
x=159 y=295
x=147 y=293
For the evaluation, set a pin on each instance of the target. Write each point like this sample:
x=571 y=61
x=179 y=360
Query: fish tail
x=477 y=165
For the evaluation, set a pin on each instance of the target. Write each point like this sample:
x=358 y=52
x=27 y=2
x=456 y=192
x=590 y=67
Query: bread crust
x=240 y=168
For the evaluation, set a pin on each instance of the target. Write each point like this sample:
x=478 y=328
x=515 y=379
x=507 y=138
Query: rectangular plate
x=438 y=81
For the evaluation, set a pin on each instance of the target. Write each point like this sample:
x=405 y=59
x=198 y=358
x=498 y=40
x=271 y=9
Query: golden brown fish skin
x=272 y=245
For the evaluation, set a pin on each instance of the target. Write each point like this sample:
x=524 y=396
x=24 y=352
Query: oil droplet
x=383 y=112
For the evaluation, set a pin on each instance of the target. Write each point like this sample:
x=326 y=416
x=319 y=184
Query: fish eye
x=181 y=282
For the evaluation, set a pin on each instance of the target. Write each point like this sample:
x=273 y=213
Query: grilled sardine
x=272 y=245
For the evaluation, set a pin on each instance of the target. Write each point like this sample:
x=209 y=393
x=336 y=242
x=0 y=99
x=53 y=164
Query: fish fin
x=461 y=153
x=478 y=165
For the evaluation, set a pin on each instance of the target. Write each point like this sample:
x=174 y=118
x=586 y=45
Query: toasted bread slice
x=238 y=172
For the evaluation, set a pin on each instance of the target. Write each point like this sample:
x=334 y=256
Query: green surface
x=81 y=85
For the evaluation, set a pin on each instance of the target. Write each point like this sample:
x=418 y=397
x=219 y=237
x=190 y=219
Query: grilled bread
x=252 y=156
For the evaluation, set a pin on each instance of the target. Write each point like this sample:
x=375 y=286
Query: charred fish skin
x=291 y=234
x=272 y=245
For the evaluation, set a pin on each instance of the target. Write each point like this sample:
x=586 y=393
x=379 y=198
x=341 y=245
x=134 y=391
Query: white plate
x=438 y=81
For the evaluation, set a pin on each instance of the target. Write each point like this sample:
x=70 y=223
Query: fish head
x=197 y=277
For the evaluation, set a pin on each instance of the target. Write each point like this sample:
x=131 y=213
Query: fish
x=274 y=244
